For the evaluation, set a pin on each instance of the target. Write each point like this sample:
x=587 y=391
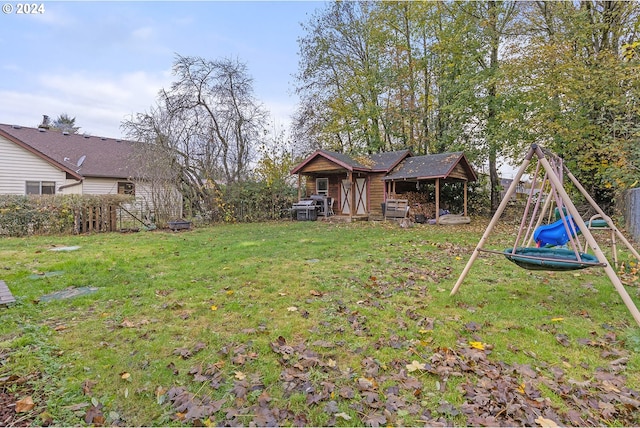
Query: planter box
x=179 y=225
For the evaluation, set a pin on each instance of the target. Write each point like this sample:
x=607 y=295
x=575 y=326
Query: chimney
x=45 y=122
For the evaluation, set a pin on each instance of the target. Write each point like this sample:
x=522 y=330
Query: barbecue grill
x=306 y=209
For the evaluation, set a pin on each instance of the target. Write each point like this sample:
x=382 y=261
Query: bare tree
x=202 y=132
x=217 y=97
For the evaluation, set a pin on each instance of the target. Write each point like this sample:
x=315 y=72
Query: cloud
x=56 y=16
x=143 y=33
x=99 y=103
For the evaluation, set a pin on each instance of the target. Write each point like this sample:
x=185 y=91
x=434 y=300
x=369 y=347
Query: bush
x=256 y=201
x=22 y=215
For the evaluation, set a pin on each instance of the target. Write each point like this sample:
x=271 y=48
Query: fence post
x=632 y=212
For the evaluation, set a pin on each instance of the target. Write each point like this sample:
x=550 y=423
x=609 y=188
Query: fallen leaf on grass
x=25 y=405
x=214 y=308
x=472 y=326
x=94 y=415
x=375 y=420
x=477 y=345
x=316 y=293
x=343 y=415
x=547 y=423
x=292 y=309
x=415 y=366
x=563 y=339
x=127 y=324
x=87 y=386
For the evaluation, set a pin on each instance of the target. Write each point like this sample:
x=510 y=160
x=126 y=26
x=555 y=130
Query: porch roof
x=430 y=167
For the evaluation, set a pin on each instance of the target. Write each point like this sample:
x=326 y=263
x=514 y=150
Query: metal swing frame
x=554 y=178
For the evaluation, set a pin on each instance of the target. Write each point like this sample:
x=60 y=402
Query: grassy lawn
x=310 y=323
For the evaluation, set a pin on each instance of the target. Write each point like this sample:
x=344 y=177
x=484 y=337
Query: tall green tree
x=340 y=78
x=580 y=90
x=65 y=123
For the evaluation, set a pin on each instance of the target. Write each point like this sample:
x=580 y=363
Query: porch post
x=465 y=198
x=353 y=194
x=437 y=201
x=299 y=188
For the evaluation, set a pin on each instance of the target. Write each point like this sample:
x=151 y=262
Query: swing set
x=557 y=244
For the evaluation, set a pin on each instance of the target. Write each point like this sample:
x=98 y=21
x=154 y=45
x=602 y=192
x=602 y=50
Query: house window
x=126 y=188
x=322 y=186
x=41 y=188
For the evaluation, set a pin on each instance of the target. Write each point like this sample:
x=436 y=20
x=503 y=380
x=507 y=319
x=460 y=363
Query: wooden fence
x=631 y=211
x=95 y=219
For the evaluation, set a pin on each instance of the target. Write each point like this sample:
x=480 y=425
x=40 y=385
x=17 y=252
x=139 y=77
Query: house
x=360 y=185
x=40 y=161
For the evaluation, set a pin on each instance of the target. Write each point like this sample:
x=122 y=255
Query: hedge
x=22 y=215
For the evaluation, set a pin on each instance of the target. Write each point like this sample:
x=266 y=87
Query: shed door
x=361 y=196
x=345 y=197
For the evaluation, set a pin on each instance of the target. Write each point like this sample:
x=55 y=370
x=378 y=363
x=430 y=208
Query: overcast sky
x=101 y=62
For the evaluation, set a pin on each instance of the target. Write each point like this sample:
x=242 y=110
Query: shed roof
x=431 y=167
x=103 y=157
x=375 y=162
x=386 y=161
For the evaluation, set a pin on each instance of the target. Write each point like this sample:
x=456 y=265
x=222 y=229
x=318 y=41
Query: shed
x=437 y=168
x=354 y=183
x=359 y=185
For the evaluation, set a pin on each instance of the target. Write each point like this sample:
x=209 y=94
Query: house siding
x=17 y=166
x=100 y=186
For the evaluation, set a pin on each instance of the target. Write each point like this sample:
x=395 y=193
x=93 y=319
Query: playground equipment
x=555 y=234
x=563 y=232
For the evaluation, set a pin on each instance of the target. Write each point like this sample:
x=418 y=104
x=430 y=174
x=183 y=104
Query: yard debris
x=25 y=404
x=495 y=393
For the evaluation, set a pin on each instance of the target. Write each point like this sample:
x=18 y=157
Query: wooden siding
x=17 y=166
x=458 y=173
x=320 y=164
x=376 y=193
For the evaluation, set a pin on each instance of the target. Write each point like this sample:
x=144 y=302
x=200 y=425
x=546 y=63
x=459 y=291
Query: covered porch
x=436 y=170
x=342 y=182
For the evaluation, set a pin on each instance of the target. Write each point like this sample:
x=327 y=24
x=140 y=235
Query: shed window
x=40 y=188
x=126 y=188
x=322 y=186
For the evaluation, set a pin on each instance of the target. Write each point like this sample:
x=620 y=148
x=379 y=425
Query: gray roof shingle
x=430 y=166
x=103 y=157
x=386 y=161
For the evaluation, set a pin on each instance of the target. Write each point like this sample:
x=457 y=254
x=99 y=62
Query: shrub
x=22 y=215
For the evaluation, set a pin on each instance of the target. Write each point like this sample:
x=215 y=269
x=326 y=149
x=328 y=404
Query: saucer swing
x=557 y=247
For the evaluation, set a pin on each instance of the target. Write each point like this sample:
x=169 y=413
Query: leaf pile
x=509 y=395
x=495 y=393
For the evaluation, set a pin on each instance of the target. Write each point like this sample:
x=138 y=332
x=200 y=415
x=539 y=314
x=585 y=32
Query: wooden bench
x=396 y=208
